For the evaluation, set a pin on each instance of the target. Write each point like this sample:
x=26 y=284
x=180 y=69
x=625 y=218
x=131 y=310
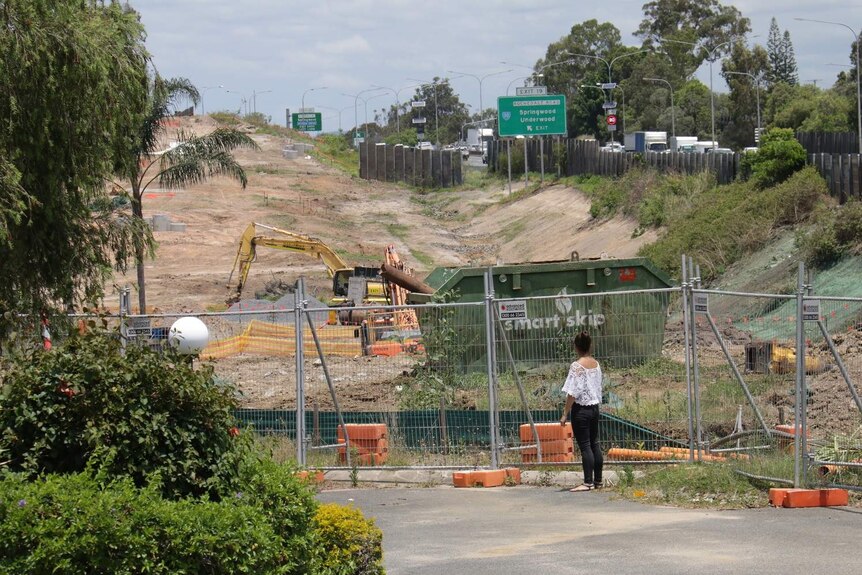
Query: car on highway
x=613 y=147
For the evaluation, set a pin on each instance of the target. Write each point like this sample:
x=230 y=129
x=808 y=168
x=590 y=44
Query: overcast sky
x=278 y=49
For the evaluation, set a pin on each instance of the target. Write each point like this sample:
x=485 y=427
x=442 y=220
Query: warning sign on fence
x=810 y=310
x=513 y=309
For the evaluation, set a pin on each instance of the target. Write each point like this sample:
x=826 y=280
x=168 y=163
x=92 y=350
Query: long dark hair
x=583 y=342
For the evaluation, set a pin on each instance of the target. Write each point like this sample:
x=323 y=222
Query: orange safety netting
x=265 y=338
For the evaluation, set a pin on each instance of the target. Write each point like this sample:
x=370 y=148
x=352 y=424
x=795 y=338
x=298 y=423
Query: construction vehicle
x=350 y=285
x=773 y=357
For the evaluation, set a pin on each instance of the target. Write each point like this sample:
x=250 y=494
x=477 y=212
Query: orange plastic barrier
x=311 y=476
x=463 y=479
x=795 y=498
x=546 y=431
x=363 y=431
x=552 y=447
x=514 y=474
x=368 y=441
x=490 y=477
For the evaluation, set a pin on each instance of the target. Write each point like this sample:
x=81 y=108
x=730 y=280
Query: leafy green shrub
x=70 y=525
x=836 y=233
x=848 y=223
x=135 y=416
x=346 y=542
x=780 y=156
x=725 y=223
x=285 y=501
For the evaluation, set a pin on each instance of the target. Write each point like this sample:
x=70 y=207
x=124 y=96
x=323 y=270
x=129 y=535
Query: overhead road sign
x=531 y=115
x=307 y=122
x=531 y=90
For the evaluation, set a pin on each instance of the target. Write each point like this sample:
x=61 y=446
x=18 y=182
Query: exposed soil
x=359 y=219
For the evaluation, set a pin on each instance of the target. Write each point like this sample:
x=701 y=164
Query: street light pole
x=608 y=64
x=242 y=97
x=673 y=111
x=356 y=99
x=203 y=91
x=480 y=79
x=756 y=81
x=254 y=99
x=311 y=90
x=337 y=111
x=711 y=54
x=397 y=104
x=858 y=70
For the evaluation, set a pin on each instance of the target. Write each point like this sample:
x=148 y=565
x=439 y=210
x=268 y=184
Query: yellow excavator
x=366 y=288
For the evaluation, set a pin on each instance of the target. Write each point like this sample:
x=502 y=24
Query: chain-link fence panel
x=644 y=385
x=415 y=370
x=744 y=370
x=834 y=407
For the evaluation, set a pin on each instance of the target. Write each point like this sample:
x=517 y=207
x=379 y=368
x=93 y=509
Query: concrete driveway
x=545 y=530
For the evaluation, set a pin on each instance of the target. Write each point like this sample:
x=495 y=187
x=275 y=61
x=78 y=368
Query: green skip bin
x=540 y=307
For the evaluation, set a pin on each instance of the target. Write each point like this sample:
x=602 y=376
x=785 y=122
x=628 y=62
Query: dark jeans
x=585 y=424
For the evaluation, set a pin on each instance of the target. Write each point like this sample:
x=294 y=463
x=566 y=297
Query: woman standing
x=583 y=389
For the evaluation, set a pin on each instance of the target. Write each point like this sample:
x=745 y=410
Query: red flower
x=66 y=390
x=234 y=431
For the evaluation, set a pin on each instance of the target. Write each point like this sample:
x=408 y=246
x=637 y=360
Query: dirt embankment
x=358 y=219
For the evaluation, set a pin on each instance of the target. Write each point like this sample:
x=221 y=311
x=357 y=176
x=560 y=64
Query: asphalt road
x=545 y=530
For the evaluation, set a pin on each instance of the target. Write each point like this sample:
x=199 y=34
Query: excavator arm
x=282 y=240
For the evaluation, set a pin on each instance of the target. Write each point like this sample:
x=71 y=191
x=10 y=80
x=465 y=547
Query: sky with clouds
x=272 y=52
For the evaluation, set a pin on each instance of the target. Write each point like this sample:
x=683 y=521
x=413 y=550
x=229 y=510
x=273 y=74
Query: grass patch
x=696 y=485
x=336 y=151
x=399 y=231
x=522 y=193
x=478 y=180
x=225 y=118
x=423 y=258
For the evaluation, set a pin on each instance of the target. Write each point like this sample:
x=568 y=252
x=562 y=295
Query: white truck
x=683 y=143
x=477 y=139
x=704 y=145
x=646 y=142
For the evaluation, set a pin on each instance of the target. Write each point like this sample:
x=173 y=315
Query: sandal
x=583 y=487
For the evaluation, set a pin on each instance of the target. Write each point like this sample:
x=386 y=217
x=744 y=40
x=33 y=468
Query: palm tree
x=192 y=160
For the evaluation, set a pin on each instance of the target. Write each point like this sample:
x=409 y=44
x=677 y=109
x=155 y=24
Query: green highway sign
x=531 y=115
x=307 y=121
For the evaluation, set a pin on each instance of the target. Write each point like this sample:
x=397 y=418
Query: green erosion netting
x=422 y=430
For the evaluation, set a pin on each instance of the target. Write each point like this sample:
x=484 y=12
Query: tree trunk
x=138 y=212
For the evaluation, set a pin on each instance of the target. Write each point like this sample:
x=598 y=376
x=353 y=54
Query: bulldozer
x=350 y=285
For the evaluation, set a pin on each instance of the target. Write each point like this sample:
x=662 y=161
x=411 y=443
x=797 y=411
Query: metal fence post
x=490 y=345
x=299 y=297
x=695 y=368
x=800 y=376
x=686 y=292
